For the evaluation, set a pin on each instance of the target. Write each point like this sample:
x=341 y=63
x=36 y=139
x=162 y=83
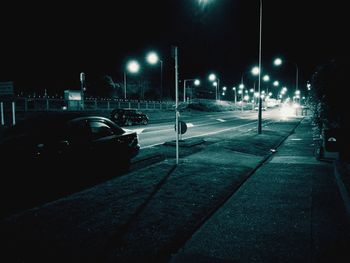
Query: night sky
x=47 y=45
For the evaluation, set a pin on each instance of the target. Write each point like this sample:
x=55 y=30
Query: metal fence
x=50 y=104
x=13 y=108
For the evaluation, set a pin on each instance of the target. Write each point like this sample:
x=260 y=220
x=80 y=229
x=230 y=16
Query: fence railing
x=49 y=104
x=12 y=108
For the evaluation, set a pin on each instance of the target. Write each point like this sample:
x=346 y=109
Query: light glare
x=133 y=66
x=255 y=71
x=152 y=58
x=278 y=61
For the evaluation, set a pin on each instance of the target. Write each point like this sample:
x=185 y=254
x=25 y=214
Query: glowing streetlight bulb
x=152 y=58
x=133 y=66
x=255 y=71
x=212 y=77
x=277 y=62
x=266 y=78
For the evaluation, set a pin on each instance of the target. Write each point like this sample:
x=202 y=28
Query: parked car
x=61 y=135
x=127 y=117
x=45 y=157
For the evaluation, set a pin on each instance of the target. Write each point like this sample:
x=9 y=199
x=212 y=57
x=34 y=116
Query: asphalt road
x=201 y=125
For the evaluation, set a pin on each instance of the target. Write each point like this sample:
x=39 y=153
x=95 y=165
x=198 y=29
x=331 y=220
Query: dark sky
x=47 y=45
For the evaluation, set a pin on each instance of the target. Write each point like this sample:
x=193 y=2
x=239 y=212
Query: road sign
x=182 y=127
x=6 y=88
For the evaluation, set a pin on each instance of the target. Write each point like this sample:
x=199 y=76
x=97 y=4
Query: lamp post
x=133 y=67
x=82 y=86
x=278 y=62
x=196 y=82
x=152 y=58
x=241 y=92
x=224 y=89
x=266 y=78
x=212 y=77
x=260 y=69
x=234 y=90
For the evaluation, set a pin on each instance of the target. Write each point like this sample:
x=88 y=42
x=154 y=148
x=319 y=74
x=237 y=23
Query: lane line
x=209 y=133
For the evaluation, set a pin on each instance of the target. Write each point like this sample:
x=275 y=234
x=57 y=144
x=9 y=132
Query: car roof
x=57 y=117
x=49 y=120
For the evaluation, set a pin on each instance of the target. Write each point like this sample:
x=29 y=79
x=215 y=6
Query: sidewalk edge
x=342 y=189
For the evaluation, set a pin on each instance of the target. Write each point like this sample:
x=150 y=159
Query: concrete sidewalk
x=290 y=210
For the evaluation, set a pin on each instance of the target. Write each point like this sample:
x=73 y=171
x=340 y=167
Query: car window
x=78 y=130
x=100 y=129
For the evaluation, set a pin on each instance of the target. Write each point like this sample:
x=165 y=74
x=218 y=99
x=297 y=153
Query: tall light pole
x=196 y=82
x=279 y=62
x=175 y=55
x=234 y=89
x=133 y=67
x=212 y=77
x=266 y=78
x=260 y=69
x=152 y=58
x=161 y=80
x=82 y=86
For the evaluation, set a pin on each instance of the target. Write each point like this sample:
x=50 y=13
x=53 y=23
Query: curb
x=342 y=189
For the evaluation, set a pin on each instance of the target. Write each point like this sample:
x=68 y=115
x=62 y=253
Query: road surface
x=202 y=125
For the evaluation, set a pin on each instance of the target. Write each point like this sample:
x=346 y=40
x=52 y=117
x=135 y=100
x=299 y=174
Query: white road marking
x=221 y=120
x=211 y=133
x=138 y=131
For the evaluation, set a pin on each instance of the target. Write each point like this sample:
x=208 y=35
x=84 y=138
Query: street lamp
x=224 y=91
x=133 y=67
x=255 y=71
x=196 y=82
x=308 y=86
x=212 y=77
x=152 y=58
x=266 y=78
x=234 y=90
x=279 y=62
x=260 y=69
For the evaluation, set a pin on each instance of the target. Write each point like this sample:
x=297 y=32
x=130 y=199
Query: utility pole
x=82 y=87
x=260 y=69
x=175 y=50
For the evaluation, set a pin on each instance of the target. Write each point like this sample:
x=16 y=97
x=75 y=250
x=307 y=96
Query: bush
x=329 y=100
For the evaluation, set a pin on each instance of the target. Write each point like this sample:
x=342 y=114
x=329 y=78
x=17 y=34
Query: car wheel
x=144 y=122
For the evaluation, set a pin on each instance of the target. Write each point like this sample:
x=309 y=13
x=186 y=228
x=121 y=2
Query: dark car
x=58 y=135
x=127 y=117
x=48 y=156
